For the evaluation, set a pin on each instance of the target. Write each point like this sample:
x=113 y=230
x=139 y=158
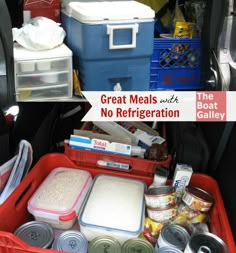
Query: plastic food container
x=114 y=207
x=60 y=196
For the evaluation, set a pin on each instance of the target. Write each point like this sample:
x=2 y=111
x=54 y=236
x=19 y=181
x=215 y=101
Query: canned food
x=160 y=197
x=103 y=244
x=71 y=241
x=168 y=250
x=205 y=243
x=197 y=199
x=162 y=215
x=174 y=236
x=137 y=245
x=36 y=233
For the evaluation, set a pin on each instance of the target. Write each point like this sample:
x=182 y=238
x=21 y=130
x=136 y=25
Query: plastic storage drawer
x=43 y=75
x=14 y=210
x=176 y=64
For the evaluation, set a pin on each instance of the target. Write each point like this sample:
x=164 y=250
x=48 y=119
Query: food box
x=111 y=41
x=59 y=198
x=115 y=206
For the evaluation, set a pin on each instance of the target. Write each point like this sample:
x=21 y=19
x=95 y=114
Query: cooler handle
x=111 y=28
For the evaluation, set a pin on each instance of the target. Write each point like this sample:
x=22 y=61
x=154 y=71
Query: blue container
x=108 y=50
x=176 y=64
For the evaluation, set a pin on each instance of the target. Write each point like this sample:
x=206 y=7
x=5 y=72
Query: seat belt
x=221 y=146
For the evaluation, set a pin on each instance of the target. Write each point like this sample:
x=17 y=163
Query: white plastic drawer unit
x=43 y=75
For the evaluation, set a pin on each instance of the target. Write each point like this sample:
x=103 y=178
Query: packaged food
x=183 y=30
x=60 y=196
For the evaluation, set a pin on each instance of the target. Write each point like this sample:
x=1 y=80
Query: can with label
x=206 y=243
x=137 y=245
x=168 y=250
x=36 y=233
x=101 y=244
x=197 y=199
x=160 y=197
x=174 y=236
x=162 y=215
x=71 y=241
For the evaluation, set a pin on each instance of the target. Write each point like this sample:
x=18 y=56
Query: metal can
x=71 y=241
x=206 y=243
x=174 y=236
x=160 y=197
x=137 y=245
x=162 y=215
x=168 y=250
x=36 y=233
x=197 y=199
x=103 y=244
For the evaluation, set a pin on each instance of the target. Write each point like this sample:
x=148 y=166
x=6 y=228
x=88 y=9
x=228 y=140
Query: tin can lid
x=103 y=244
x=199 y=193
x=175 y=235
x=168 y=250
x=36 y=233
x=209 y=241
x=160 y=190
x=137 y=245
x=71 y=241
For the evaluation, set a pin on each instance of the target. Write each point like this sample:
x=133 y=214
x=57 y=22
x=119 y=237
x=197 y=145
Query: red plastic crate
x=13 y=212
x=137 y=165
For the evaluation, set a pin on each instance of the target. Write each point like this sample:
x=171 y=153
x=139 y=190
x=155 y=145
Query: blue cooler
x=112 y=43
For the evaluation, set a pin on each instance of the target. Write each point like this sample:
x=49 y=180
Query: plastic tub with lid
x=59 y=198
x=115 y=206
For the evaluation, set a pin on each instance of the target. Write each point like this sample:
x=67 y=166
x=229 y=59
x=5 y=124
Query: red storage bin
x=137 y=165
x=14 y=211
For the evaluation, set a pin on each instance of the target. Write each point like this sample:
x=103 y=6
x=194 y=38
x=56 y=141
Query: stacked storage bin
x=112 y=43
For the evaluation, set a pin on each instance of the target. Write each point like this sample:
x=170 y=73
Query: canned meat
x=101 y=244
x=197 y=199
x=174 y=236
x=36 y=233
x=205 y=243
x=160 y=197
x=137 y=245
x=71 y=241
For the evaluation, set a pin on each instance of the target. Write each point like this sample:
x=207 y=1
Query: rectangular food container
x=115 y=206
x=59 y=198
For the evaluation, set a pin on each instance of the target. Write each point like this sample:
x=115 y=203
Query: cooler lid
x=97 y=11
x=21 y=53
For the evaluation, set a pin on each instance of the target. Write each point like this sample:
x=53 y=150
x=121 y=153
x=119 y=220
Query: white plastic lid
x=21 y=53
x=115 y=203
x=61 y=193
x=95 y=11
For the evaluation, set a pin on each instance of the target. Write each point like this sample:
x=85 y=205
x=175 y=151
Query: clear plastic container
x=114 y=207
x=60 y=196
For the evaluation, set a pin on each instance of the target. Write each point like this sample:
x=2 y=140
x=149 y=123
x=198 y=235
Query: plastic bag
x=40 y=33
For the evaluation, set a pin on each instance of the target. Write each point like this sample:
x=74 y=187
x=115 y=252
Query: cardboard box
x=86 y=143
